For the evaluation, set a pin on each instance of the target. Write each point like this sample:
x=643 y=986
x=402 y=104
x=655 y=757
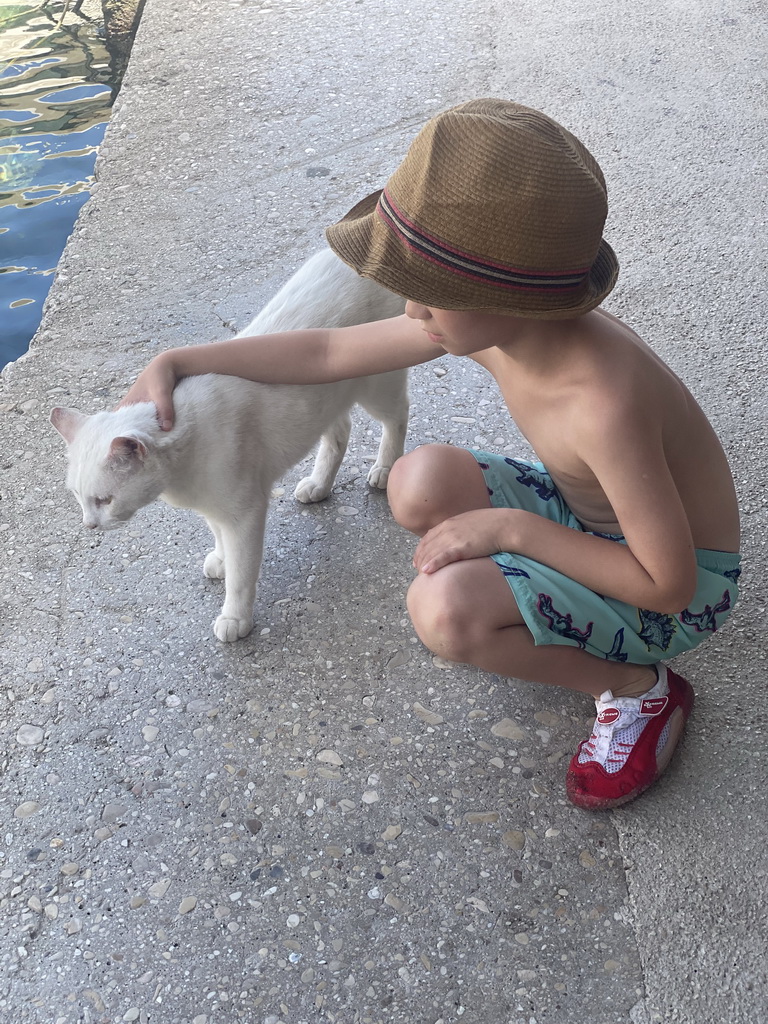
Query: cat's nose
x=90 y=524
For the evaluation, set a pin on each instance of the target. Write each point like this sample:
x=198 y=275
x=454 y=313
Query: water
x=57 y=85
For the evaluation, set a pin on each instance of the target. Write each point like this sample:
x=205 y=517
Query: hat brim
x=363 y=241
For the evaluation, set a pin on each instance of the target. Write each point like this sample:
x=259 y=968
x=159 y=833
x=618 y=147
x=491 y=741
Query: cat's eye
x=100 y=502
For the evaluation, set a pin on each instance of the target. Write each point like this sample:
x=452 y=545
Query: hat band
x=458 y=262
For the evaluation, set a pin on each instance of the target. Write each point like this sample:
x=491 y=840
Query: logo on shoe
x=653 y=706
x=608 y=716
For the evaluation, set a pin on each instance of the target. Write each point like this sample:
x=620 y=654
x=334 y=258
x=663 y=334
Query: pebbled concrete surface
x=321 y=822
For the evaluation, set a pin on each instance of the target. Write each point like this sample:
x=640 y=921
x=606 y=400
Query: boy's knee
x=421 y=484
x=408 y=492
x=442 y=619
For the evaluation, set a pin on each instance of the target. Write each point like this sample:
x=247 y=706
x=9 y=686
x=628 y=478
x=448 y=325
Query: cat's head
x=112 y=471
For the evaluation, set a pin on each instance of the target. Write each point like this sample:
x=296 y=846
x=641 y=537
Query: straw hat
x=495 y=207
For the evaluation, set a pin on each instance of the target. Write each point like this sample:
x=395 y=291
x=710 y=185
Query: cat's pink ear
x=68 y=422
x=124 y=448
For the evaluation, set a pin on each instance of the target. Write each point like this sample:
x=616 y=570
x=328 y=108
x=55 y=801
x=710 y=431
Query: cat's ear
x=125 y=449
x=68 y=422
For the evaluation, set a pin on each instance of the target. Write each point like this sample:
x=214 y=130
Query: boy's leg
x=466 y=612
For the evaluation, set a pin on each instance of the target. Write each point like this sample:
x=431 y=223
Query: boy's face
x=461 y=332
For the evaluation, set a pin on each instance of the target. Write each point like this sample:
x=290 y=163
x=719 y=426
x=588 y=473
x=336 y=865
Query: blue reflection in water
x=55 y=97
x=47 y=178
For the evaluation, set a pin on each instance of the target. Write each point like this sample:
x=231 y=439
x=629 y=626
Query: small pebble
x=150 y=733
x=30 y=735
x=330 y=757
x=200 y=705
x=481 y=817
x=513 y=839
x=508 y=729
x=441 y=663
x=27 y=809
x=370 y=796
x=112 y=812
x=393 y=901
x=293 y=921
x=399 y=659
x=430 y=717
x=548 y=718
x=187 y=904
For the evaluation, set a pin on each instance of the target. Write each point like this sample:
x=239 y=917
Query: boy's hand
x=155 y=384
x=469 y=535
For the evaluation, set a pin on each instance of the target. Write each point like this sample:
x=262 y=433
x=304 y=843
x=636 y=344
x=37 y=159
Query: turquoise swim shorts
x=557 y=610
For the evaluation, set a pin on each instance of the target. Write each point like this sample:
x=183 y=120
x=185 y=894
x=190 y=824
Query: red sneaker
x=632 y=742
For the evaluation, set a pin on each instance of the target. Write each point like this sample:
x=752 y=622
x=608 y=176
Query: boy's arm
x=290 y=357
x=656 y=569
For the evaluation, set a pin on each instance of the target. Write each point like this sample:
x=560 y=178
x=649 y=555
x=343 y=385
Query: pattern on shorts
x=656 y=629
x=562 y=623
x=530 y=477
x=706 y=621
x=558 y=610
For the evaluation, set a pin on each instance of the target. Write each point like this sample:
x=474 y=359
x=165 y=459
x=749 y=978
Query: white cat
x=232 y=439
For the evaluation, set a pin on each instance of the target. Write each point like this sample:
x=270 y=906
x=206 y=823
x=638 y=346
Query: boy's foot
x=632 y=741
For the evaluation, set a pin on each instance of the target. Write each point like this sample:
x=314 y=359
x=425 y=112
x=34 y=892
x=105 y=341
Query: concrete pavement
x=321 y=822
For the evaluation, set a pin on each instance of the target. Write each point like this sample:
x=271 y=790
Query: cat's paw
x=213 y=566
x=228 y=629
x=378 y=476
x=309 y=490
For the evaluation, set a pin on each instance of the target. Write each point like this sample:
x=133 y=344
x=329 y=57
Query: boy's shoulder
x=595 y=347
x=594 y=375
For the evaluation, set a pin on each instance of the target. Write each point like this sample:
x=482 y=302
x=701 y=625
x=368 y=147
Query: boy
x=621 y=545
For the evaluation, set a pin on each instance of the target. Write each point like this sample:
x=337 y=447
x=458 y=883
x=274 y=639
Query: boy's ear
x=68 y=422
x=123 y=449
